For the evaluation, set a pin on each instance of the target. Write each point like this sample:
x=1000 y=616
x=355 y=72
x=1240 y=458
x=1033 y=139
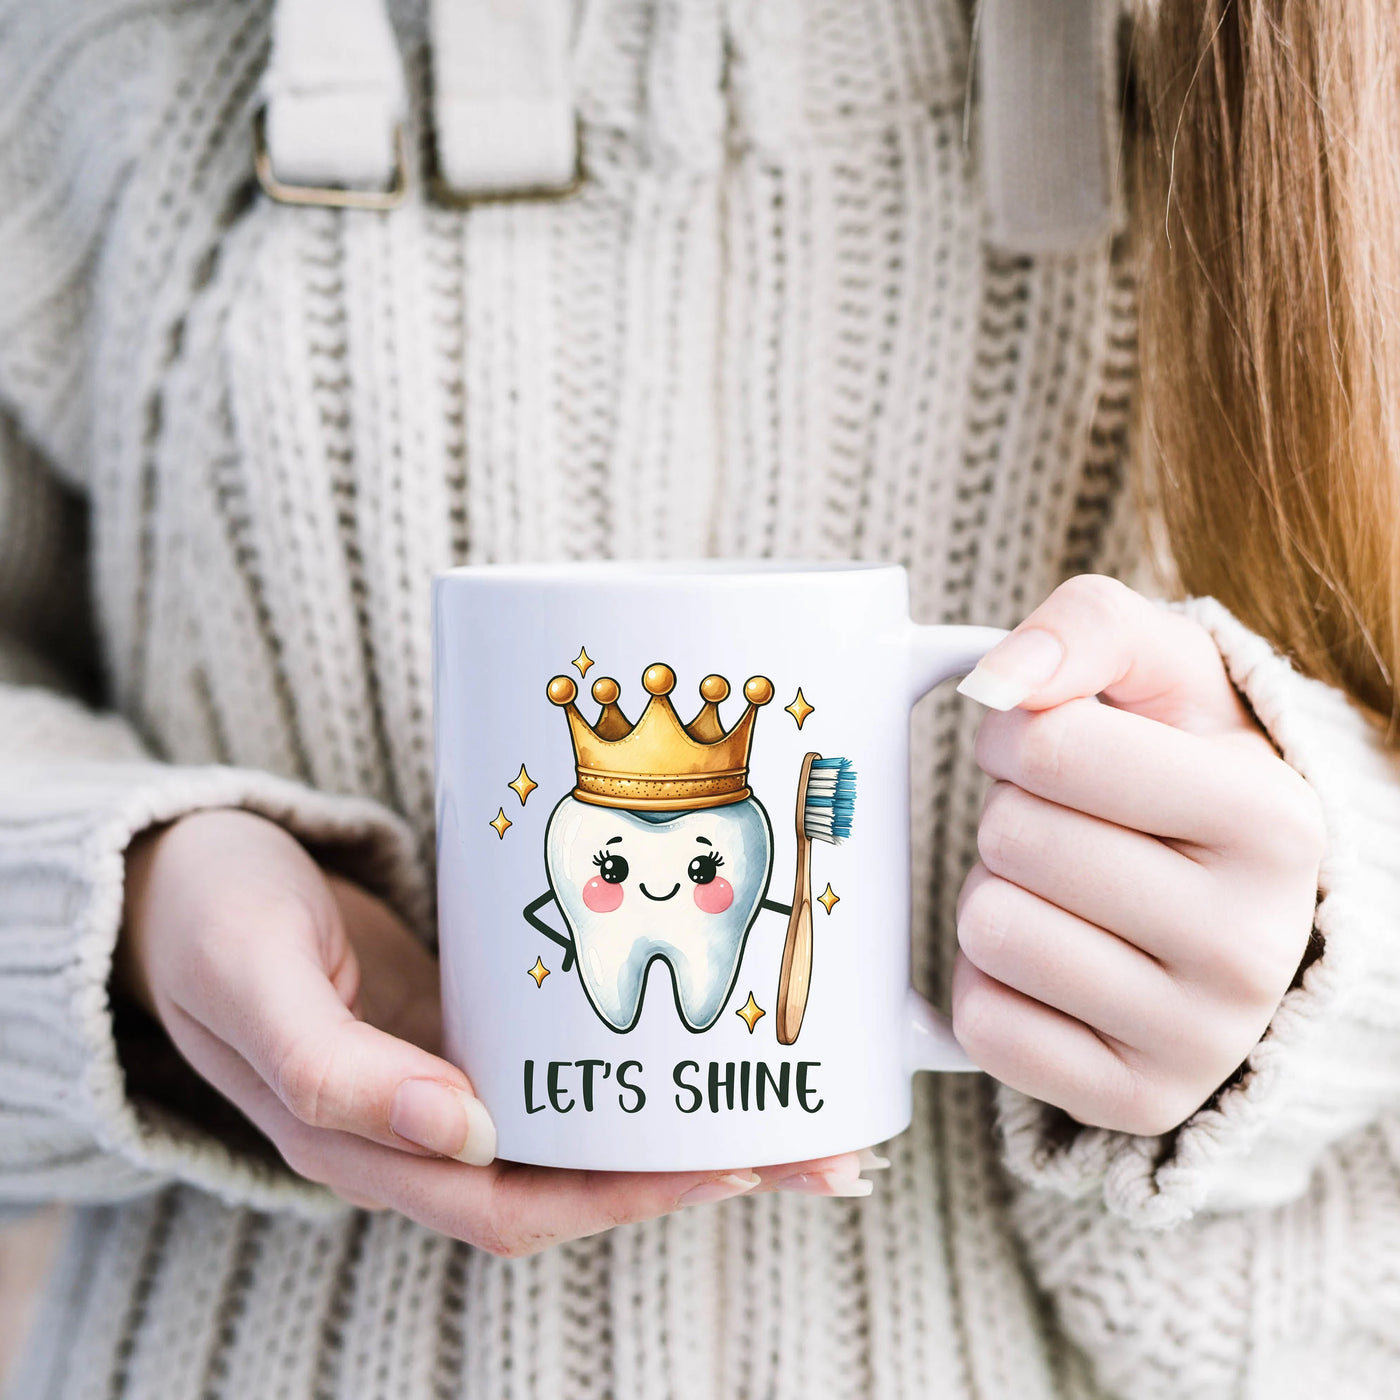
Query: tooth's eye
x=704 y=868
x=611 y=866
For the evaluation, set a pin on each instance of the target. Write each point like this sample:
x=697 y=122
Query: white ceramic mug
x=644 y=965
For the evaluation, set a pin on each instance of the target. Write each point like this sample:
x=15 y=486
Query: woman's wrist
x=130 y=980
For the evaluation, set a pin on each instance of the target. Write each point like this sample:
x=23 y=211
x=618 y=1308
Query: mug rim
x=736 y=570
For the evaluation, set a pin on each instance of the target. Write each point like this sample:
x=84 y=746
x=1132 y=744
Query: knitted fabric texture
x=770 y=325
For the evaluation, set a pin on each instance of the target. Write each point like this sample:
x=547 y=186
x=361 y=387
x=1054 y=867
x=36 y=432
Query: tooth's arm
x=531 y=912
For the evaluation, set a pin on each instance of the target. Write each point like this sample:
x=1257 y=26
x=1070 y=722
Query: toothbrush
x=826 y=799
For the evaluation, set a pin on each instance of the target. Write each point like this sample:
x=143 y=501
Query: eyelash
x=601 y=858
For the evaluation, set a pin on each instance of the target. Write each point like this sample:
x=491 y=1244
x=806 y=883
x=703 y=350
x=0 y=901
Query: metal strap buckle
x=338 y=197
x=328 y=196
x=444 y=194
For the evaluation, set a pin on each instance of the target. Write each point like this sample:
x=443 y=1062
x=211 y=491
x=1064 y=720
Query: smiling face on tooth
x=683 y=887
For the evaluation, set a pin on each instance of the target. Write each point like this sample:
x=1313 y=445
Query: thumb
x=397 y=986
x=1096 y=636
x=284 y=1011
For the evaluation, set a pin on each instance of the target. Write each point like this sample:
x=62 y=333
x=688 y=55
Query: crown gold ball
x=660 y=763
x=658 y=679
x=758 y=690
x=562 y=690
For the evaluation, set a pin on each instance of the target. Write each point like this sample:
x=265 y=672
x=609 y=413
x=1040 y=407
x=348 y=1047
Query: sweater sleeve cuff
x=68 y=1128
x=1331 y=1055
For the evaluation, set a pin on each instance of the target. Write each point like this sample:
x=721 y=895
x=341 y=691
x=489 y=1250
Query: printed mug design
x=662 y=852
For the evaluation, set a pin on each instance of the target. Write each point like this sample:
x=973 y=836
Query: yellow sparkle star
x=583 y=661
x=829 y=897
x=523 y=786
x=749 y=1013
x=799 y=709
x=502 y=823
x=539 y=972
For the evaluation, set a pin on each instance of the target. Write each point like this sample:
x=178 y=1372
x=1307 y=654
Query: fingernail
x=444 y=1120
x=871 y=1161
x=1013 y=669
x=722 y=1188
x=825 y=1184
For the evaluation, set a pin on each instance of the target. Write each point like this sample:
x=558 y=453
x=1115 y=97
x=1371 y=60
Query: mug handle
x=937 y=654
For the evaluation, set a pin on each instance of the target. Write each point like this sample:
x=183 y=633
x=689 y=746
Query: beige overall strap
x=503 y=101
x=331 y=129
x=1048 y=110
x=334 y=96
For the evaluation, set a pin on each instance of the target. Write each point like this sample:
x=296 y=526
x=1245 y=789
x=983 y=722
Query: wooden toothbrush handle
x=796 y=976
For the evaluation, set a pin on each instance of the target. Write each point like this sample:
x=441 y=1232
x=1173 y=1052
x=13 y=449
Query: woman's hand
x=304 y=1000
x=1148 y=869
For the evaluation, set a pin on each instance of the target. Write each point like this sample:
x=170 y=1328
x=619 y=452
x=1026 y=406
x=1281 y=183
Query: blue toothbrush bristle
x=831 y=799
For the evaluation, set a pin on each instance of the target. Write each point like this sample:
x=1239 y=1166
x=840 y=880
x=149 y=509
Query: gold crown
x=660 y=764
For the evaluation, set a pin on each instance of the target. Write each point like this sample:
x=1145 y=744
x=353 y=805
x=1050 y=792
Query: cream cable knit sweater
x=769 y=326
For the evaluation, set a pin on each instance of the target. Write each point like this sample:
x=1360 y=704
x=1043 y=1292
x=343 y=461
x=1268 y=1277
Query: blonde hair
x=1268 y=191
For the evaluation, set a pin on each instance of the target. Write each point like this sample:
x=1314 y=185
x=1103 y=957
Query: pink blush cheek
x=715 y=897
x=601 y=896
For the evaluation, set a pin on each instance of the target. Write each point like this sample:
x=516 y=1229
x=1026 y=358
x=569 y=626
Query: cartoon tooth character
x=661 y=851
